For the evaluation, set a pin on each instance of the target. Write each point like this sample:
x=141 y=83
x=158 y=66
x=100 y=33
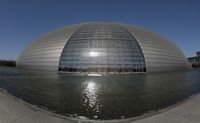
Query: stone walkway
x=13 y=110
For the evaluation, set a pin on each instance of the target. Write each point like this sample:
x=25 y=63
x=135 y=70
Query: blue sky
x=22 y=21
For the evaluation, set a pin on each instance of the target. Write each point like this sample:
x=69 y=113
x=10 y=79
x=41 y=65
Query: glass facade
x=102 y=48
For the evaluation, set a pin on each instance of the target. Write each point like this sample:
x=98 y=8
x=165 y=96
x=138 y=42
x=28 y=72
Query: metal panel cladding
x=102 y=47
x=160 y=54
x=44 y=53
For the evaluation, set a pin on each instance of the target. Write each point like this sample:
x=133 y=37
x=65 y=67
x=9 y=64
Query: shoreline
x=51 y=115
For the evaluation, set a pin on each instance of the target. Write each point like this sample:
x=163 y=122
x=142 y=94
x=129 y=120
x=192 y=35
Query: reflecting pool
x=102 y=97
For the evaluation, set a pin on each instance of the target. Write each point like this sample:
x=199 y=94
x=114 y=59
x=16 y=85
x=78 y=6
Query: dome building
x=102 y=47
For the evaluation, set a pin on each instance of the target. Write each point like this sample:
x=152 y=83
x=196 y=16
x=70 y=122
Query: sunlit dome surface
x=102 y=47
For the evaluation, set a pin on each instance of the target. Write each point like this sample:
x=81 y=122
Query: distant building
x=198 y=53
x=195 y=61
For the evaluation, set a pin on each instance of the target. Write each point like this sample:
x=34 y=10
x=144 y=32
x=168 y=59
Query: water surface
x=102 y=97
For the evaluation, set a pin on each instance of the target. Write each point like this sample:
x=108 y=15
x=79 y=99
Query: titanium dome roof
x=102 y=47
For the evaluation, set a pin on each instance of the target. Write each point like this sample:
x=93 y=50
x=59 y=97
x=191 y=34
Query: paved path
x=13 y=110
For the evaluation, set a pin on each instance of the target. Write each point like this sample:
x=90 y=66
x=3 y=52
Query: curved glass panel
x=102 y=48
